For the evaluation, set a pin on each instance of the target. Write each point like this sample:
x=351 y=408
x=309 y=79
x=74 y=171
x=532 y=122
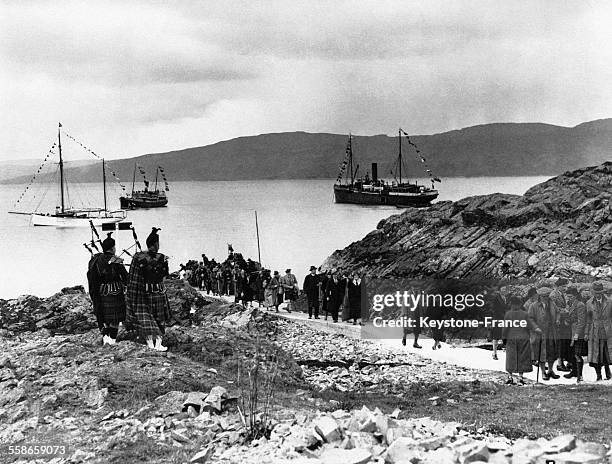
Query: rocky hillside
x=485 y=150
x=561 y=227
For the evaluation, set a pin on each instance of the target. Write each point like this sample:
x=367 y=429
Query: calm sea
x=299 y=225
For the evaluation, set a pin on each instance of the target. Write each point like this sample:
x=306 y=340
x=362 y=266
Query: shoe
x=552 y=375
x=510 y=382
x=521 y=380
x=105 y=340
x=309 y=317
x=150 y=343
x=562 y=368
x=434 y=347
x=579 y=379
x=404 y=341
x=416 y=345
x=495 y=357
x=545 y=376
x=112 y=341
x=317 y=317
x=608 y=373
x=570 y=375
x=158 y=345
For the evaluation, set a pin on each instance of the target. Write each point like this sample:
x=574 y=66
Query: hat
x=532 y=291
x=572 y=291
x=153 y=238
x=287 y=270
x=275 y=272
x=597 y=287
x=515 y=301
x=561 y=281
x=108 y=242
x=312 y=268
x=545 y=291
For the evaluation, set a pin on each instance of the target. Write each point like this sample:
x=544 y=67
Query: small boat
x=146 y=198
x=68 y=216
x=370 y=190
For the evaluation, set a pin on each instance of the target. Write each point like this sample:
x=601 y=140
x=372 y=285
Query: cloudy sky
x=130 y=78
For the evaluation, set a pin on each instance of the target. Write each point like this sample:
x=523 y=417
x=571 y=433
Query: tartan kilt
x=581 y=347
x=149 y=315
x=113 y=308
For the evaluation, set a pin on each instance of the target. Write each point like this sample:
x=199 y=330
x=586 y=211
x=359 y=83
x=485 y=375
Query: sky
x=129 y=78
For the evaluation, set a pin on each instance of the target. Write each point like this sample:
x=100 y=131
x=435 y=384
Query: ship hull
x=389 y=198
x=133 y=203
x=64 y=222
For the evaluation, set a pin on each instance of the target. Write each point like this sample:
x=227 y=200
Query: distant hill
x=485 y=150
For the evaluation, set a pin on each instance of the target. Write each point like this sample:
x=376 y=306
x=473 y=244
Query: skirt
x=518 y=356
x=581 y=347
x=113 y=308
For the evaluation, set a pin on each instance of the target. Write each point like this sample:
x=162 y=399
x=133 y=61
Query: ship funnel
x=374 y=173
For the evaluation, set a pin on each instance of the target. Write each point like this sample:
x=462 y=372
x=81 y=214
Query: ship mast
x=351 y=159
x=61 y=166
x=133 y=179
x=156 y=173
x=104 y=184
x=400 y=155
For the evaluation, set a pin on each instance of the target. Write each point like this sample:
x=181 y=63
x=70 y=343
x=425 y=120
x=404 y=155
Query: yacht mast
x=400 y=155
x=104 y=184
x=61 y=166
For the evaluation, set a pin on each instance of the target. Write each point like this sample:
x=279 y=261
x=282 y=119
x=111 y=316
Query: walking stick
x=539 y=355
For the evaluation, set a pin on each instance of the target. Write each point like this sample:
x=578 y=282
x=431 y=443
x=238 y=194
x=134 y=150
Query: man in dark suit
x=311 y=289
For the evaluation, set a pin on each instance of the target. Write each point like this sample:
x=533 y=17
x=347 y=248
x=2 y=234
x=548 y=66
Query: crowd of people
x=330 y=293
x=562 y=325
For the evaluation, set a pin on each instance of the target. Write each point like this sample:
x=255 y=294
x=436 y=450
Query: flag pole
x=257 y=230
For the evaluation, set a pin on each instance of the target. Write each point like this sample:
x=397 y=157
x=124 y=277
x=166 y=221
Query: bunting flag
x=421 y=157
x=164 y=178
x=143 y=174
x=49 y=153
x=89 y=150
x=347 y=154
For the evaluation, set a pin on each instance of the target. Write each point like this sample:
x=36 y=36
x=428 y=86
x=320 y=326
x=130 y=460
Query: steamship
x=146 y=198
x=370 y=190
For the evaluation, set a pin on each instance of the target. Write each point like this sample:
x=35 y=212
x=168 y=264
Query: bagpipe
x=95 y=238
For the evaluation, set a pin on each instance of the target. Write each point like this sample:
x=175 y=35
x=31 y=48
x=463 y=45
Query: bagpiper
x=148 y=309
x=107 y=279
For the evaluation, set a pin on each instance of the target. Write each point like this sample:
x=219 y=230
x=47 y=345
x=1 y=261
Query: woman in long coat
x=355 y=290
x=544 y=345
x=599 y=331
x=518 y=347
x=334 y=293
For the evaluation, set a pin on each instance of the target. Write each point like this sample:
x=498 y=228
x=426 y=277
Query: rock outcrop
x=561 y=227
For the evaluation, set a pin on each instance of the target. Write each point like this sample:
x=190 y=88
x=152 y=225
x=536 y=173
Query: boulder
x=328 y=429
x=403 y=451
x=345 y=456
x=560 y=444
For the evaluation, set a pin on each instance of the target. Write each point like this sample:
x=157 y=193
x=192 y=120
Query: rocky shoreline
x=126 y=403
x=561 y=227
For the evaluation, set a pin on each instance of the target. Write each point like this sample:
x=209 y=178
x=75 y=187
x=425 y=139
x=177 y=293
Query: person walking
x=334 y=294
x=355 y=291
x=148 y=309
x=311 y=289
x=497 y=309
x=544 y=344
x=323 y=279
x=518 y=348
x=577 y=318
x=107 y=279
x=290 y=288
x=565 y=362
x=413 y=315
x=599 y=330
x=276 y=289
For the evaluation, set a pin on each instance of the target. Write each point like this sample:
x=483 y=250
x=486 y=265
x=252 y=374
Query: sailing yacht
x=65 y=215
